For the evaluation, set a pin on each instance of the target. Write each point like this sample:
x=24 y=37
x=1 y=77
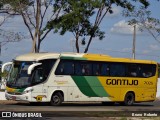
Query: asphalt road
x=145 y=106
x=84 y=109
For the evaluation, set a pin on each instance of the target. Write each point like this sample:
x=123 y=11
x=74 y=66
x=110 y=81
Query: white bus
x=55 y=78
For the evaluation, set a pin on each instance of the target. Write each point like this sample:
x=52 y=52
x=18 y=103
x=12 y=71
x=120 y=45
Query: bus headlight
x=27 y=90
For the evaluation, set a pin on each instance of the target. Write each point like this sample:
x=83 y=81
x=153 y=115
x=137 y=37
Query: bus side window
x=47 y=66
x=105 y=69
x=78 y=69
x=59 y=70
x=132 y=70
x=86 y=69
x=96 y=69
x=83 y=68
x=69 y=68
x=100 y=69
x=37 y=75
x=65 y=67
x=117 y=69
x=148 y=70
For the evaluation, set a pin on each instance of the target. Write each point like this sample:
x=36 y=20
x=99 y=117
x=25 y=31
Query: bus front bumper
x=23 y=97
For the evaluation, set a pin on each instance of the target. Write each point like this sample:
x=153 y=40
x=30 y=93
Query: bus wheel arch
x=57 y=98
x=129 y=98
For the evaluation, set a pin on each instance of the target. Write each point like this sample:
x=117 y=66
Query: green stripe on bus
x=73 y=58
x=83 y=85
x=96 y=86
x=19 y=90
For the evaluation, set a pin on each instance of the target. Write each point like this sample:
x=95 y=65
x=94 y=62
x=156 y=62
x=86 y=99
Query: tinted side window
x=100 y=69
x=148 y=70
x=65 y=68
x=83 y=68
x=38 y=75
x=133 y=70
x=141 y=70
x=47 y=66
x=117 y=69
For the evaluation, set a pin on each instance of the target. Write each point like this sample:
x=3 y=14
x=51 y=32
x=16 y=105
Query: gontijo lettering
x=121 y=82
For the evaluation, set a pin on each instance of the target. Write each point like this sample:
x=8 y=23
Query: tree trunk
x=77 y=45
x=37 y=26
x=90 y=39
x=39 y=45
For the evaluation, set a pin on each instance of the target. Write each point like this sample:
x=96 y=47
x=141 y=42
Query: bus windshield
x=18 y=76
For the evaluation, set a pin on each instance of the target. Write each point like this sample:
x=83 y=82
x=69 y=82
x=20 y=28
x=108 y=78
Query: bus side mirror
x=31 y=67
x=4 y=65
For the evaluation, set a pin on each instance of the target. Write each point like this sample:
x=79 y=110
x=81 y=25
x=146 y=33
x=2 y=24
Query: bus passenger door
x=37 y=80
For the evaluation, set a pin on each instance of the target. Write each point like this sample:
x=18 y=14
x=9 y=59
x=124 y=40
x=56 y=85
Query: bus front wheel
x=129 y=99
x=56 y=99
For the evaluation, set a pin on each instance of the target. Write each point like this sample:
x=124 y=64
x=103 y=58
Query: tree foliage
x=143 y=18
x=7 y=36
x=78 y=17
x=35 y=14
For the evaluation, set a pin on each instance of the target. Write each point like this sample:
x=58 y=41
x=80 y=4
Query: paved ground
x=89 y=111
x=88 y=106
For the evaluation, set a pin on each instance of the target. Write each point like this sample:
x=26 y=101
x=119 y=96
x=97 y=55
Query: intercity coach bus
x=74 y=77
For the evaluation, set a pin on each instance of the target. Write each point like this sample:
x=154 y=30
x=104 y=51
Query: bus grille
x=13 y=93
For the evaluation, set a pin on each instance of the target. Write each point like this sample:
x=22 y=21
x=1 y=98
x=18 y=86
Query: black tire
x=129 y=99
x=108 y=103
x=56 y=99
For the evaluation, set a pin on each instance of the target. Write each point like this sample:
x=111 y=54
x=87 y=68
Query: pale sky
x=117 y=42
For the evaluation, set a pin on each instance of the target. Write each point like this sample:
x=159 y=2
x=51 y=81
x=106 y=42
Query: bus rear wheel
x=56 y=99
x=129 y=99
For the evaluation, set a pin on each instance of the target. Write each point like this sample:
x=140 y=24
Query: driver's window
x=37 y=76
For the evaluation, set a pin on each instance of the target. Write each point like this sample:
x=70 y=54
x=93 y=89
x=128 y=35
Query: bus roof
x=78 y=56
x=102 y=57
x=37 y=56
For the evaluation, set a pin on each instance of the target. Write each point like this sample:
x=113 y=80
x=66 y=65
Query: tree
x=77 y=17
x=34 y=14
x=9 y=35
x=142 y=17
